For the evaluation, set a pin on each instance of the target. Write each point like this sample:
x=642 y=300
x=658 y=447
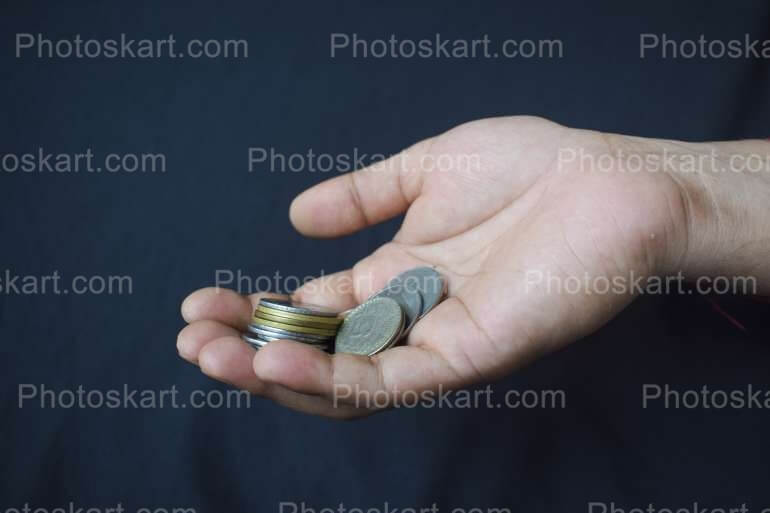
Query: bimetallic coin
x=297 y=308
x=371 y=327
x=298 y=329
x=410 y=302
x=259 y=315
x=298 y=318
x=425 y=280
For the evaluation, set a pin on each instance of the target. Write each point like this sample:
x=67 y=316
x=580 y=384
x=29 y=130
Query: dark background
x=171 y=231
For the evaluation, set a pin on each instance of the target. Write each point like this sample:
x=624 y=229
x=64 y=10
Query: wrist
x=725 y=194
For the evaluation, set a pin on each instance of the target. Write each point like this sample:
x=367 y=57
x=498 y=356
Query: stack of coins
x=375 y=325
x=275 y=319
x=386 y=318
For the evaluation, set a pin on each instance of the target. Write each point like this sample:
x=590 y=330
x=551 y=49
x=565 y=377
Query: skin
x=525 y=207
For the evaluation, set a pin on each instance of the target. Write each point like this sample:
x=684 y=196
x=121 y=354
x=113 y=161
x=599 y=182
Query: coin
x=259 y=342
x=371 y=327
x=298 y=329
x=259 y=315
x=380 y=322
x=425 y=280
x=300 y=318
x=276 y=319
x=279 y=333
x=297 y=308
x=410 y=302
x=268 y=338
x=253 y=340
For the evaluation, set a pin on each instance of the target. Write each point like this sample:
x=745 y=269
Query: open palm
x=504 y=210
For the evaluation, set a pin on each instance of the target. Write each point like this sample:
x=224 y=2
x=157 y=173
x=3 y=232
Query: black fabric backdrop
x=171 y=231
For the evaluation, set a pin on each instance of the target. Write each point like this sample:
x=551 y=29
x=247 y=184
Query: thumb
x=368 y=196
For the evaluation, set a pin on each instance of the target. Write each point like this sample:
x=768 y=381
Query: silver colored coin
x=371 y=327
x=273 y=339
x=275 y=333
x=281 y=333
x=410 y=302
x=258 y=341
x=265 y=338
x=253 y=340
x=306 y=342
x=423 y=280
x=297 y=308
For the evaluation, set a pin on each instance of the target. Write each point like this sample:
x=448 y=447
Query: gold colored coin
x=260 y=315
x=299 y=329
x=326 y=321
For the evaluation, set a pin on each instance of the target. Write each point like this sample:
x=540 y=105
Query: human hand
x=508 y=223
